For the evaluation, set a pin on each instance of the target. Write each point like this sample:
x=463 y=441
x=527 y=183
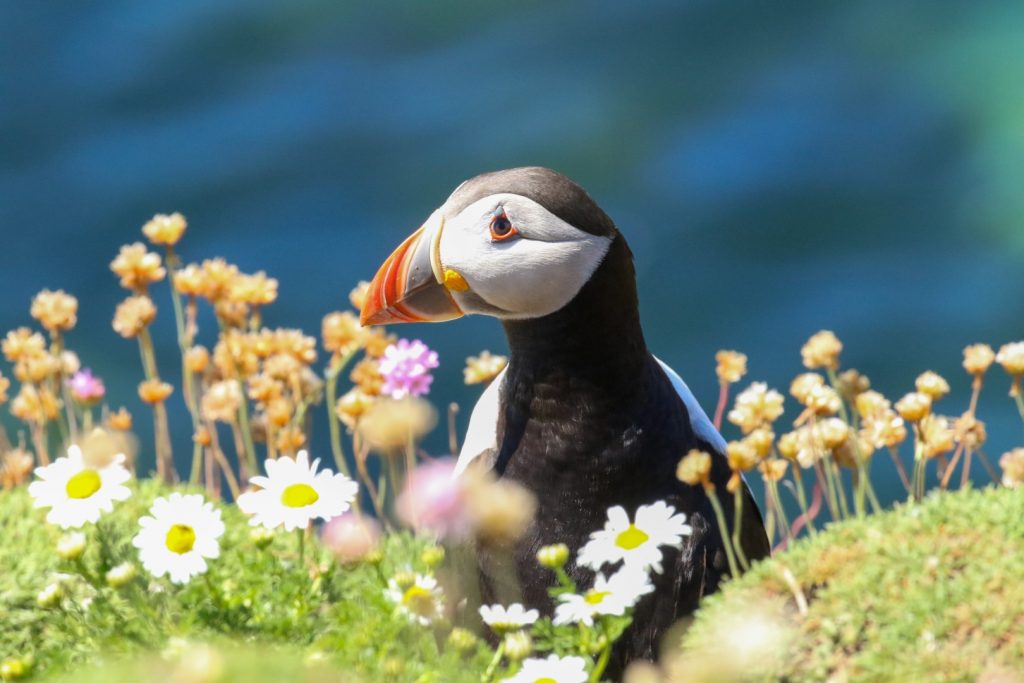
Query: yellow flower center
x=419 y=601
x=83 y=484
x=545 y=680
x=631 y=538
x=595 y=597
x=299 y=496
x=180 y=538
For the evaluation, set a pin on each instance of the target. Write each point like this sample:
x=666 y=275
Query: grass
x=262 y=596
x=925 y=592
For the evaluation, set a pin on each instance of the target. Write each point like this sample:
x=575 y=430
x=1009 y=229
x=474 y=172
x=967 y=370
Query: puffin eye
x=502 y=228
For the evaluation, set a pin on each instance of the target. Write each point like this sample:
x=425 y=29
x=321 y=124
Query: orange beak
x=409 y=286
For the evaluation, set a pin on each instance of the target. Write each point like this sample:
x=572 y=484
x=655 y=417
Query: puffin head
x=515 y=244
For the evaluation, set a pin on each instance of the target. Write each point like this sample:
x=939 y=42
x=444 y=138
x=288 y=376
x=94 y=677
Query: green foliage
x=266 y=595
x=926 y=592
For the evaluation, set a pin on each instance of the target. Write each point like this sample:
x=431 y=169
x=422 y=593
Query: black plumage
x=588 y=420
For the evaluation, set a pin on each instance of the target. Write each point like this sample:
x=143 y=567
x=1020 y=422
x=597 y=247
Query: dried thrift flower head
x=389 y=426
x=23 y=343
x=850 y=384
x=731 y=366
x=823 y=400
x=341 y=332
x=742 y=456
x=1012 y=463
x=352 y=406
x=133 y=315
x=121 y=420
x=822 y=351
x=358 y=295
x=36 y=369
x=5 y=384
x=884 y=429
x=1011 y=357
x=936 y=436
x=804 y=384
x=190 y=281
x=773 y=469
x=789 y=445
x=377 y=341
x=871 y=403
x=761 y=440
x=15 y=467
x=853 y=451
x=695 y=468
x=756 y=406
x=970 y=431
x=55 y=310
x=500 y=511
x=932 y=384
x=221 y=401
x=296 y=344
x=153 y=391
x=978 y=358
x=197 y=359
x=69 y=362
x=37 y=406
x=406 y=368
x=914 y=406
x=832 y=431
x=253 y=290
x=483 y=368
x=218 y=275
x=165 y=229
x=137 y=267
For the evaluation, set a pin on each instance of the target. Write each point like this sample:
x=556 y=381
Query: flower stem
x=899 y=467
x=333 y=371
x=801 y=498
x=301 y=533
x=723 y=529
x=723 y=400
x=602 y=662
x=737 y=516
x=493 y=665
x=164 y=453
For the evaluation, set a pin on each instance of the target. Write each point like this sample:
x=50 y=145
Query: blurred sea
x=777 y=168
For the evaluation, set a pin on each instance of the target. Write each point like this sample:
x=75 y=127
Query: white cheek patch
x=528 y=276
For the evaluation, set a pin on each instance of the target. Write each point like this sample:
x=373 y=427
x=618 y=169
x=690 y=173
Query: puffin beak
x=410 y=286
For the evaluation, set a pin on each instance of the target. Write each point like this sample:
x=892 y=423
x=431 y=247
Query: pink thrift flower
x=406 y=369
x=86 y=388
x=351 y=537
x=432 y=500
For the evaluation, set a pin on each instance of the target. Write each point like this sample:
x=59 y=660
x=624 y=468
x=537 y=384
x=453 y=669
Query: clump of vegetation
x=926 y=592
x=99 y=562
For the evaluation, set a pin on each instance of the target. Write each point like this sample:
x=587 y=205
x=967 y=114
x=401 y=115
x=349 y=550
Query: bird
x=583 y=416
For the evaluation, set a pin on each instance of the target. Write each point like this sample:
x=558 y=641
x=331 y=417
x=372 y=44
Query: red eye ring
x=502 y=228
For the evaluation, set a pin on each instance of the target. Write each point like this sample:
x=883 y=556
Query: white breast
x=482 y=434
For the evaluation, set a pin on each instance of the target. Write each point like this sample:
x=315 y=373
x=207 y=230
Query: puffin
x=584 y=416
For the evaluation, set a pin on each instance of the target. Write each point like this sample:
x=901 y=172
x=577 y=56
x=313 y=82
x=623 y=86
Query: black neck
x=596 y=337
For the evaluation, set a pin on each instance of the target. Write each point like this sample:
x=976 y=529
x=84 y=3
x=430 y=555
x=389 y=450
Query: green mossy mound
x=927 y=592
x=258 y=595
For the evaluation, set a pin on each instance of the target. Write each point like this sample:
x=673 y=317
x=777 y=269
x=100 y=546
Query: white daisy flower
x=293 y=494
x=77 y=493
x=421 y=600
x=179 y=536
x=501 y=619
x=554 y=669
x=608 y=596
x=636 y=543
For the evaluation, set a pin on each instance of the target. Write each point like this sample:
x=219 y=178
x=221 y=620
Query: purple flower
x=406 y=368
x=86 y=388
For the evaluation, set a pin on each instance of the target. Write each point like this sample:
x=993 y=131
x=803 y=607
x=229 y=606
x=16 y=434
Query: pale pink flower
x=432 y=500
x=406 y=369
x=351 y=537
x=86 y=388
